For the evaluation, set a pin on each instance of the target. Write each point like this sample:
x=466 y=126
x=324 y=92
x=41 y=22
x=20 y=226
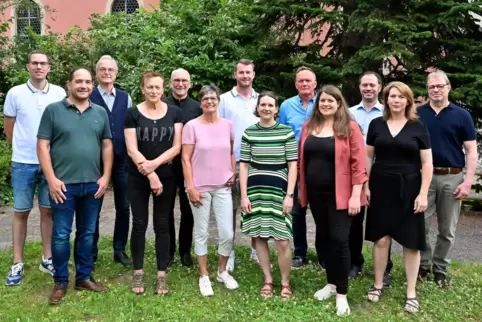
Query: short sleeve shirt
x=211 y=158
x=399 y=151
x=154 y=137
x=448 y=131
x=27 y=104
x=75 y=140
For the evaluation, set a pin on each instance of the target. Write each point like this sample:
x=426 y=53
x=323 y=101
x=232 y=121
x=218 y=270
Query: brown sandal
x=161 y=285
x=266 y=290
x=138 y=282
x=286 y=293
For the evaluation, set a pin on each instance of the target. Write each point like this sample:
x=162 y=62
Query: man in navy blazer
x=116 y=102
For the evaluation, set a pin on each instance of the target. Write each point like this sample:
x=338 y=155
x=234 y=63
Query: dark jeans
x=121 y=203
x=81 y=202
x=139 y=194
x=299 y=227
x=187 y=221
x=356 y=242
x=333 y=228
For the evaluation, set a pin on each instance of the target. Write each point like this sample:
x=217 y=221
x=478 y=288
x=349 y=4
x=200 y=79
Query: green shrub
x=6 y=195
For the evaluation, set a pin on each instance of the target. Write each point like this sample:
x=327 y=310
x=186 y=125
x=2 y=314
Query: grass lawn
x=28 y=302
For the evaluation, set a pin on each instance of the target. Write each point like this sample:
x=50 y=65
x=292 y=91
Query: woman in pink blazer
x=332 y=172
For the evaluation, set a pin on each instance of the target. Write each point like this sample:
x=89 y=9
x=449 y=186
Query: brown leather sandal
x=286 y=293
x=161 y=286
x=266 y=290
x=138 y=282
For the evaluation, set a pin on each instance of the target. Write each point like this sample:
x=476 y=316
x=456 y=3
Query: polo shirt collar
x=235 y=93
x=311 y=99
x=67 y=104
x=34 y=90
x=378 y=106
x=103 y=92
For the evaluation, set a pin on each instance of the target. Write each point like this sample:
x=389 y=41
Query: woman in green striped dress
x=267 y=177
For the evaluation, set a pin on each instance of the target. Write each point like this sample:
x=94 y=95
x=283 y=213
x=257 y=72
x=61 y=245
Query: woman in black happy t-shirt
x=153 y=138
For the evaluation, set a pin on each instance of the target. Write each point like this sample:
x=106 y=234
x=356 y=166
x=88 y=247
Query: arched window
x=28 y=14
x=127 y=6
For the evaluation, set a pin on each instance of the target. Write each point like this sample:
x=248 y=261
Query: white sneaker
x=228 y=280
x=325 y=293
x=230 y=264
x=342 y=307
x=205 y=286
x=254 y=257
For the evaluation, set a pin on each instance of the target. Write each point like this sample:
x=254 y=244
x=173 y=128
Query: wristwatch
x=291 y=195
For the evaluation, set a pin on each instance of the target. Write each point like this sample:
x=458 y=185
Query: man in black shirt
x=180 y=83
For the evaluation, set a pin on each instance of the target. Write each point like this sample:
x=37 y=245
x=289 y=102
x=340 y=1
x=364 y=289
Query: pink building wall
x=68 y=13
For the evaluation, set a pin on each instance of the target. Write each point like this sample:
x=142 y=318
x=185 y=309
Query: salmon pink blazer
x=350 y=166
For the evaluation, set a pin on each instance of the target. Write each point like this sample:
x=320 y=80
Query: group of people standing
x=240 y=149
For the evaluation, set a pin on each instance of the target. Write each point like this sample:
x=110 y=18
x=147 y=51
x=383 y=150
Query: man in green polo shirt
x=73 y=137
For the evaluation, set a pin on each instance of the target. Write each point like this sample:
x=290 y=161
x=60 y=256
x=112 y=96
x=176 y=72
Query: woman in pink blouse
x=208 y=164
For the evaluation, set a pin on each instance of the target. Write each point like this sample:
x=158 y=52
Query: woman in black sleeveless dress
x=398 y=187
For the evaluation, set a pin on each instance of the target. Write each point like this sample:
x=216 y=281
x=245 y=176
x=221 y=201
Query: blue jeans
x=25 y=179
x=121 y=202
x=81 y=202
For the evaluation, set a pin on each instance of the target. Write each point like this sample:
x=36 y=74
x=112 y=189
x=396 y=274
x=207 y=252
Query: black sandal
x=373 y=291
x=412 y=305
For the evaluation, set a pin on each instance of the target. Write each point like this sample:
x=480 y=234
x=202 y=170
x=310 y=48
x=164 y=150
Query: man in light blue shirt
x=294 y=112
x=368 y=109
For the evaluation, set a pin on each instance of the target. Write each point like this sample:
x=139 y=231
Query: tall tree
x=400 y=39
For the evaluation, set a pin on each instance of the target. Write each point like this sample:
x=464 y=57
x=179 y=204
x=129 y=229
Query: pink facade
x=62 y=15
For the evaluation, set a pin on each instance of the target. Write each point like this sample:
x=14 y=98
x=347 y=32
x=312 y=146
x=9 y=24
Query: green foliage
x=184 y=303
x=6 y=196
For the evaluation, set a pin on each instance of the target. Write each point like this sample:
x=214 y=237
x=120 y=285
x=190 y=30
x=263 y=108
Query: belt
x=444 y=171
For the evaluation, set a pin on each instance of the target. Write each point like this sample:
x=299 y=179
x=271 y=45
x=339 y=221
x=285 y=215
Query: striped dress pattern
x=268 y=151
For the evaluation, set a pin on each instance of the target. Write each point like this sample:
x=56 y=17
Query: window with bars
x=127 y=6
x=28 y=14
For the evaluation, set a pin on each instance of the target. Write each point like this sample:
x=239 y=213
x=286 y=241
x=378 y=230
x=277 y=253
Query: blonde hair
x=410 y=112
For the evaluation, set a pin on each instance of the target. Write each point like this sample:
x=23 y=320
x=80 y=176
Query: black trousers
x=333 y=228
x=187 y=221
x=139 y=195
x=356 y=242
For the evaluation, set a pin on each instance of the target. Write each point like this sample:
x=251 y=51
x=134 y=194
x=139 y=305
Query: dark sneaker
x=15 y=276
x=355 y=272
x=440 y=279
x=298 y=262
x=423 y=273
x=46 y=266
x=387 y=279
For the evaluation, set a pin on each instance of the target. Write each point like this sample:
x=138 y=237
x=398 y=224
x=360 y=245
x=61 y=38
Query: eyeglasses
x=103 y=70
x=439 y=87
x=207 y=99
x=39 y=63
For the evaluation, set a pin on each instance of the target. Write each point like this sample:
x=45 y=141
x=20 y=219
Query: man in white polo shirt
x=23 y=109
x=238 y=106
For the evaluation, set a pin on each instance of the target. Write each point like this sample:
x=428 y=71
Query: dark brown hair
x=73 y=70
x=150 y=74
x=341 y=125
x=410 y=111
x=267 y=94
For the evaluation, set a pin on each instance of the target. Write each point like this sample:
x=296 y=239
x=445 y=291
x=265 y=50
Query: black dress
x=395 y=181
